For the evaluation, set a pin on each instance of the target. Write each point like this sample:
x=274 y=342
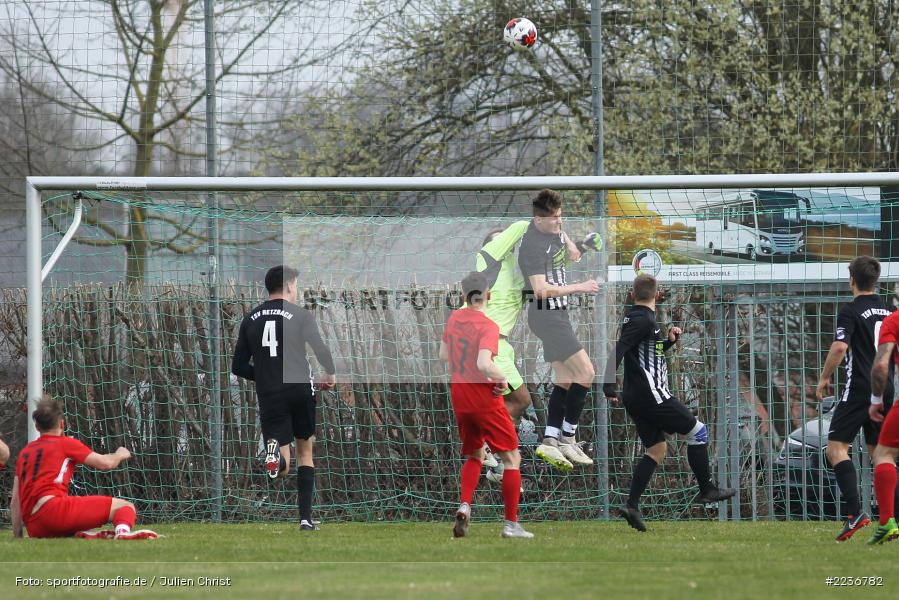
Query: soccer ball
x=521 y=34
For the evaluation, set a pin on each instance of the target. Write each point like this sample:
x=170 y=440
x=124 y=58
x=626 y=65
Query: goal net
x=140 y=311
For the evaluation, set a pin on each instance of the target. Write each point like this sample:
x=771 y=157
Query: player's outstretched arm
x=443 y=353
x=107 y=462
x=572 y=252
x=673 y=335
x=880 y=373
x=15 y=509
x=503 y=243
x=834 y=357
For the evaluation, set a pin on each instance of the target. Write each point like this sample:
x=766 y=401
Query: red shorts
x=492 y=426
x=889 y=429
x=66 y=515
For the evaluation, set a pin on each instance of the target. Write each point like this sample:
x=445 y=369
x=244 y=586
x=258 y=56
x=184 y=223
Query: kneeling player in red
x=469 y=344
x=40 y=496
x=887 y=450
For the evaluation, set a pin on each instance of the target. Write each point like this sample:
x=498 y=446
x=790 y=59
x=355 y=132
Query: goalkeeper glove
x=592 y=242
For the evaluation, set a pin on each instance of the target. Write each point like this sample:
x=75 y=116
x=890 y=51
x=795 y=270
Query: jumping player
x=40 y=496
x=470 y=343
x=542 y=261
x=887 y=450
x=4 y=454
x=271 y=350
x=649 y=403
x=858 y=325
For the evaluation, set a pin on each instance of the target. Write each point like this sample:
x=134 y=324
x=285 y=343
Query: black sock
x=556 y=407
x=847 y=480
x=642 y=474
x=574 y=403
x=305 y=485
x=698 y=457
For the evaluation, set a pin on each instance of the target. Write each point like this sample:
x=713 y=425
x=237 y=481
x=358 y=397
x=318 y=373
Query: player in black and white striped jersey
x=649 y=402
x=856 y=339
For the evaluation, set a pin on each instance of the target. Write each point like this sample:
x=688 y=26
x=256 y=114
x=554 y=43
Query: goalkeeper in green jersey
x=497 y=261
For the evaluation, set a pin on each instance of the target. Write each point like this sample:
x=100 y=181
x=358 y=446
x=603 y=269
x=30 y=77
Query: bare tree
x=142 y=86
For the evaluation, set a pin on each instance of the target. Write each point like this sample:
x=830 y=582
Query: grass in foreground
x=697 y=559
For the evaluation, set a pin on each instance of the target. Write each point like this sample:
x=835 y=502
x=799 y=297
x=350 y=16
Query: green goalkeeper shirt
x=506 y=282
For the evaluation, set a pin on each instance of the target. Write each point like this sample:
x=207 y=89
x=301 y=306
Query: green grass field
x=697 y=559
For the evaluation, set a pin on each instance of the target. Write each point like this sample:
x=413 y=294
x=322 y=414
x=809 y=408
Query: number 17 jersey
x=468 y=331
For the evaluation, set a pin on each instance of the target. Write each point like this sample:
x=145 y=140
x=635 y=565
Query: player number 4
x=269 y=338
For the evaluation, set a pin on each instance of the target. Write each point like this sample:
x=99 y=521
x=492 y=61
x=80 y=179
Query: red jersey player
x=41 y=486
x=887 y=449
x=470 y=342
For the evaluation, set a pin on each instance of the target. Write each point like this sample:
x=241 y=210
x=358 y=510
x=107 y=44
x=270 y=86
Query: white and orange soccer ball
x=520 y=33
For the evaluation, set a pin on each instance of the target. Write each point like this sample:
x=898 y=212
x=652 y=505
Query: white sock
x=122 y=529
x=568 y=430
x=552 y=432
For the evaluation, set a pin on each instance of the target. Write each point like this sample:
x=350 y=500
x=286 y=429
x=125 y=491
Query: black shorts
x=554 y=329
x=286 y=416
x=852 y=415
x=654 y=419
